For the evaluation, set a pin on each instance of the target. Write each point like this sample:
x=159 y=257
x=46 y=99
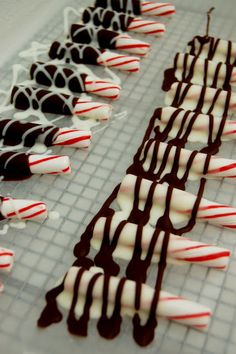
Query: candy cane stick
x=119 y=61
x=121 y=21
x=218 y=167
x=173 y=119
x=22 y=209
x=181 y=204
x=49 y=164
x=6 y=259
x=170 y=306
x=201 y=99
x=13 y=132
x=73 y=138
x=102 y=88
x=18 y=166
x=216 y=49
x=76 y=81
x=150 y=8
x=181 y=250
x=24 y=97
x=108 y=39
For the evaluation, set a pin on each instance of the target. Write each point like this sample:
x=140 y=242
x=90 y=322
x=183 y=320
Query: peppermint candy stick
x=108 y=39
x=73 y=138
x=58 y=103
x=121 y=21
x=137 y=7
x=200 y=127
x=6 y=259
x=87 y=54
x=22 y=209
x=16 y=166
x=149 y=8
x=61 y=76
x=169 y=306
x=201 y=99
x=180 y=250
x=199 y=71
x=212 y=48
x=13 y=132
x=181 y=203
x=185 y=161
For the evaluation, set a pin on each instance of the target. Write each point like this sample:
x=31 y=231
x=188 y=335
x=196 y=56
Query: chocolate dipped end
x=106 y=18
x=26 y=134
x=49 y=74
x=38 y=99
x=14 y=166
x=76 y=53
x=126 y=6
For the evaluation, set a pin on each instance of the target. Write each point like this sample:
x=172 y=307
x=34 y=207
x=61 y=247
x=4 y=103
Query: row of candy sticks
x=64 y=75
x=155 y=209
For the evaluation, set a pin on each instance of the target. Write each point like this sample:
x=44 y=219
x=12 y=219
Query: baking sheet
x=45 y=251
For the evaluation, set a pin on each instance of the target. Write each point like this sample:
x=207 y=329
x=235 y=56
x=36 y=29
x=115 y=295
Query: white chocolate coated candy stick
x=169 y=306
x=49 y=164
x=218 y=167
x=102 y=88
x=181 y=203
x=151 y=8
x=119 y=61
x=93 y=110
x=200 y=129
x=201 y=99
x=22 y=209
x=6 y=259
x=73 y=138
x=181 y=250
x=199 y=71
x=216 y=49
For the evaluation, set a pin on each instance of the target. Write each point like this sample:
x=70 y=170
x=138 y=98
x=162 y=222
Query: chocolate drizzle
x=188 y=64
x=138 y=266
x=207 y=47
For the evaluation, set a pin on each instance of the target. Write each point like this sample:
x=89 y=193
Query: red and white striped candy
x=170 y=306
x=181 y=250
x=150 y=8
x=147 y=27
x=93 y=110
x=131 y=45
x=199 y=129
x=181 y=204
x=73 y=138
x=49 y=164
x=119 y=61
x=6 y=259
x=23 y=209
x=218 y=167
x=102 y=88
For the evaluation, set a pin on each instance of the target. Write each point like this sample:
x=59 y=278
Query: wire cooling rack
x=45 y=251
